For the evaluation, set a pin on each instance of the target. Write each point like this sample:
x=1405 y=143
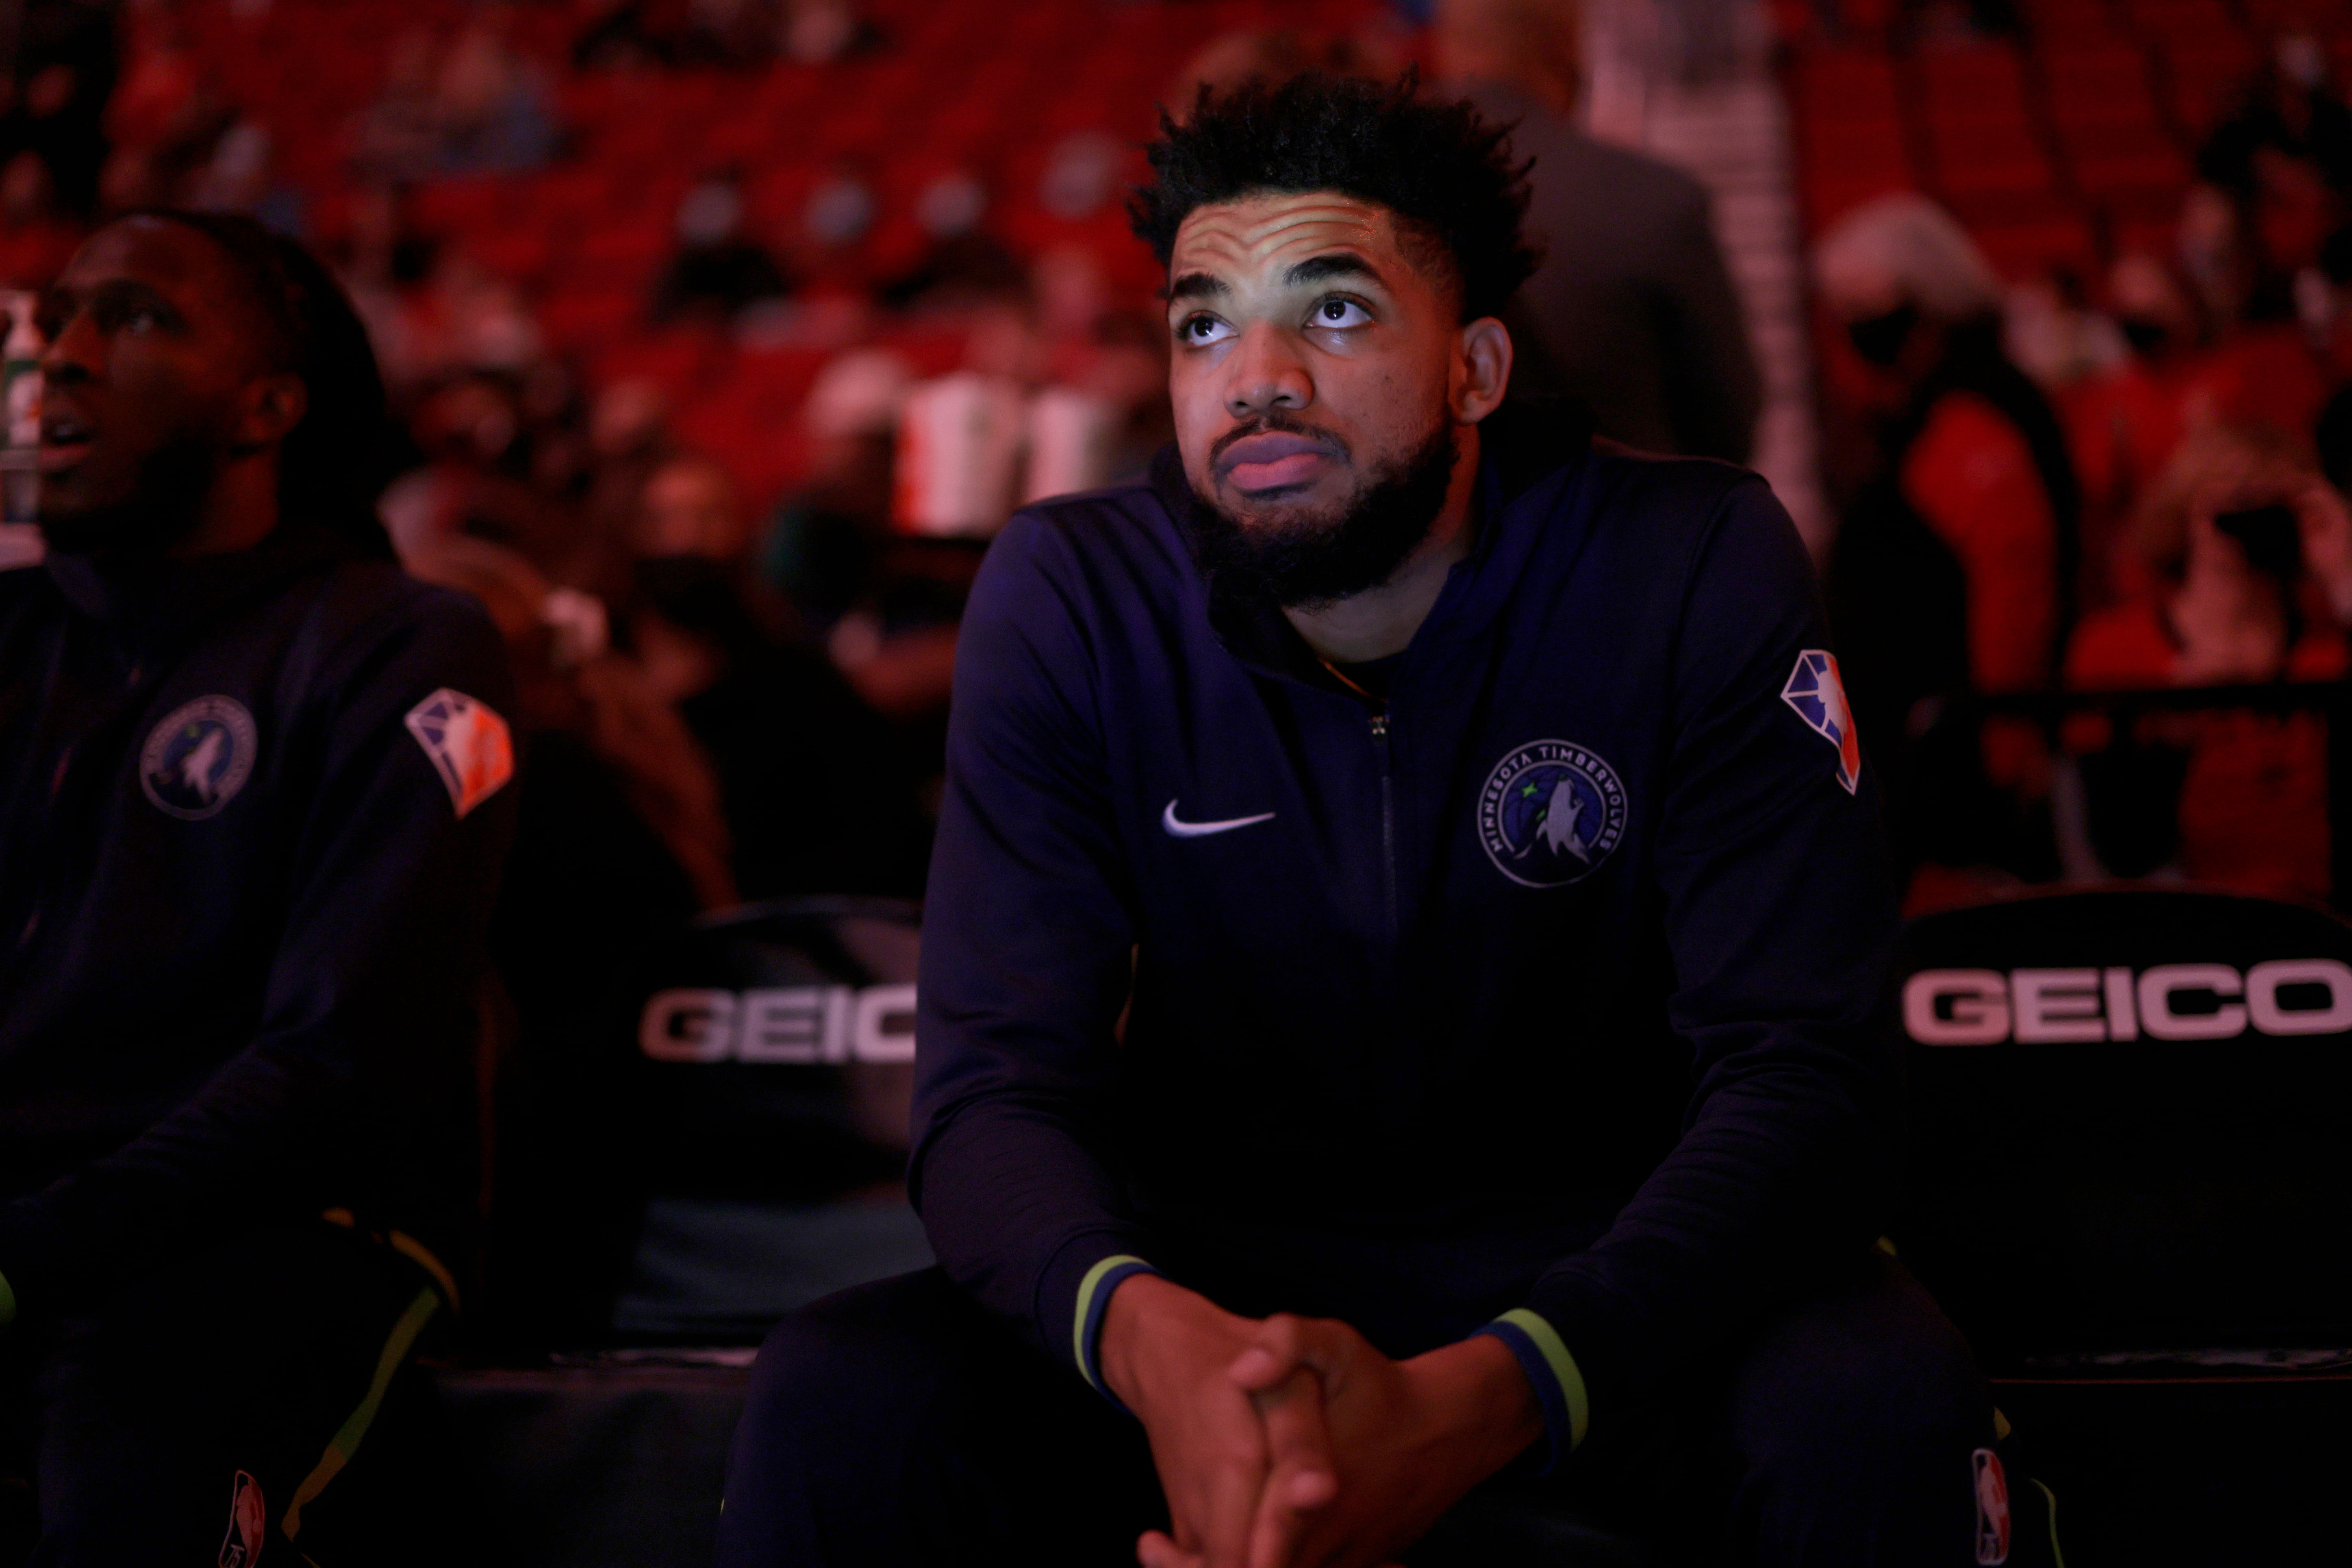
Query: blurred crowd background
x=723 y=333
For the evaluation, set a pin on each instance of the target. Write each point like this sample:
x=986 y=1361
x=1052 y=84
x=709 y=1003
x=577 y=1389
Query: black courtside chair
x=2131 y=1159
x=731 y=1149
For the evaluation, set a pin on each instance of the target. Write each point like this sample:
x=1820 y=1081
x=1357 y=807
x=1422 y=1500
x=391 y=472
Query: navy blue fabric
x=898 y=1425
x=1365 y=1072
x=238 y=1018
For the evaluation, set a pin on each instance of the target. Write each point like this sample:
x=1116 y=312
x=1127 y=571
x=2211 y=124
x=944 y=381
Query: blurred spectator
x=823 y=547
x=53 y=102
x=2054 y=333
x=818 y=31
x=2252 y=553
x=478 y=107
x=239 y=176
x=2290 y=112
x=717 y=271
x=1276 y=54
x=2333 y=429
x=689 y=509
x=494 y=110
x=35 y=240
x=1953 y=569
x=960 y=439
x=602 y=747
x=839 y=210
x=2215 y=253
x=633 y=35
x=466 y=320
x=2263 y=372
x=2125 y=424
x=1633 y=314
x=886 y=606
x=1081 y=174
x=628 y=439
x=734 y=32
x=158 y=80
x=476 y=481
x=399 y=135
x=963 y=265
x=166 y=122
x=2280 y=165
x=2190 y=367
x=815 y=792
x=636 y=34
x=382 y=261
x=1096 y=347
x=896 y=643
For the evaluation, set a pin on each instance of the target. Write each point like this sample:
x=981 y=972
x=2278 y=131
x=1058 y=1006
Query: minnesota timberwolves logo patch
x=195 y=761
x=1551 y=813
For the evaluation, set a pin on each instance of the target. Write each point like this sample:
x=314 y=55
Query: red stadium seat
x=2126 y=171
x=458 y=207
x=1846 y=84
x=2152 y=235
x=1965 y=85
x=523 y=254
x=2057 y=21
x=2178 y=20
x=1994 y=158
x=588 y=319
x=2099 y=84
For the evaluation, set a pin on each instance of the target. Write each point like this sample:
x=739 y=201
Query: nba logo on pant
x=241 y=1547
x=1992 y=1508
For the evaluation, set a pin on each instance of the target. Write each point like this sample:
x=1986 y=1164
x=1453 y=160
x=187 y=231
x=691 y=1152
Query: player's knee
x=1912 y=1399
x=870 y=1355
x=1878 y=1380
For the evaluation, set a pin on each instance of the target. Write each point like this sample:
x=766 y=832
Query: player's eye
x=1197 y=331
x=1339 y=313
x=134 y=316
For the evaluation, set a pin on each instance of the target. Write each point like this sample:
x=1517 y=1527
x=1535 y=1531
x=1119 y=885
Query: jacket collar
x=151 y=604
x=1528 y=451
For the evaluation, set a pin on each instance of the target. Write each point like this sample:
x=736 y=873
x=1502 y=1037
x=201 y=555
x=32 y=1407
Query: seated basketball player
x=1397 y=1068
x=252 y=808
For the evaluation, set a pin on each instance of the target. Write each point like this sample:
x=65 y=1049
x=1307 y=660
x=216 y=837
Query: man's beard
x=1308 y=560
x=161 y=511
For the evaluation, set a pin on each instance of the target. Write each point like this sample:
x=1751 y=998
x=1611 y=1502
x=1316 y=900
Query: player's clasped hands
x=1293 y=1442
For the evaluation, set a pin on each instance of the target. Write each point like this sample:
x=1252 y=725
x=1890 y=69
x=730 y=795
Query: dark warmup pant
x=255 y=1403
x=896 y=1425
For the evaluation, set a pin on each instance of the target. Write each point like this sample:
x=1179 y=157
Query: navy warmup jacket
x=250 y=824
x=1545 y=1000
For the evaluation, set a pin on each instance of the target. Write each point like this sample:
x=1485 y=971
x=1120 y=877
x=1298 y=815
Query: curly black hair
x=1447 y=176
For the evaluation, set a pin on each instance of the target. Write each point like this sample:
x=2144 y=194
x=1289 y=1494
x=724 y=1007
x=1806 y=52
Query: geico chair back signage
x=2131 y=1121
x=760 y=1039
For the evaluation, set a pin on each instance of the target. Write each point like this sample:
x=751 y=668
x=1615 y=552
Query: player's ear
x=1482 y=370
x=269 y=406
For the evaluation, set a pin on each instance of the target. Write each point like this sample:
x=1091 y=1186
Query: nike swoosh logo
x=1179 y=828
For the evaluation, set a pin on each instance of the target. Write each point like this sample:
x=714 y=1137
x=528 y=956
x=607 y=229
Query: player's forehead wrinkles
x=1270 y=234
x=156 y=252
x=126 y=262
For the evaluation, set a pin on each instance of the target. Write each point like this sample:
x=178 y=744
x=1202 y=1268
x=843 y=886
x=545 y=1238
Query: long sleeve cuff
x=1086 y=1324
x=1552 y=1372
